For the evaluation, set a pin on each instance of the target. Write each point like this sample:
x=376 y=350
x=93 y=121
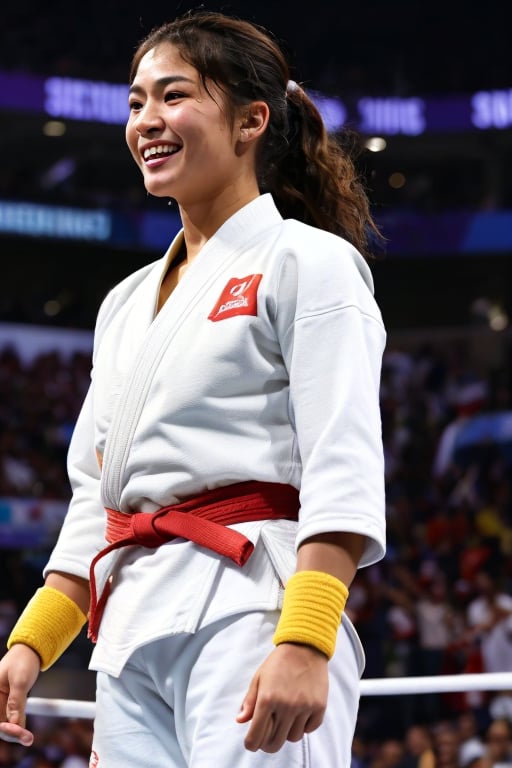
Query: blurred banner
x=100 y=102
x=29 y=523
x=408 y=233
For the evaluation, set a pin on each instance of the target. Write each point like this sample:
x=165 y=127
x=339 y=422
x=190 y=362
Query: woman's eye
x=173 y=95
x=134 y=105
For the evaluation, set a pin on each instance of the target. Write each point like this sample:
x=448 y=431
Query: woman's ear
x=253 y=121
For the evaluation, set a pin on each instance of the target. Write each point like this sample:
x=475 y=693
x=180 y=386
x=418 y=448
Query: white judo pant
x=175 y=703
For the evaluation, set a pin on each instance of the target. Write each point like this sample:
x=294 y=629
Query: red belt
x=201 y=519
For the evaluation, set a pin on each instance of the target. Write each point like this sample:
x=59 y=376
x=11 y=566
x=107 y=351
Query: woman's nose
x=148 y=120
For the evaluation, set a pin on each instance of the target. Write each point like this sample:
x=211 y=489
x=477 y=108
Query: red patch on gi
x=239 y=297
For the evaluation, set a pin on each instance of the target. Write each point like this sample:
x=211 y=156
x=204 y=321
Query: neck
x=201 y=221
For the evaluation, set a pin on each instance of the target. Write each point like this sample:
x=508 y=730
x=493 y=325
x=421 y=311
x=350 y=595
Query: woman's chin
x=157 y=193
x=155 y=189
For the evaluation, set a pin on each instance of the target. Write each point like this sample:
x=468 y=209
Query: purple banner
x=101 y=102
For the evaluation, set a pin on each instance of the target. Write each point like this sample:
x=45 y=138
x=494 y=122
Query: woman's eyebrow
x=162 y=82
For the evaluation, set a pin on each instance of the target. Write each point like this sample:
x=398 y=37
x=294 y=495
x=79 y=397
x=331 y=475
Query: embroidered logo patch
x=239 y=297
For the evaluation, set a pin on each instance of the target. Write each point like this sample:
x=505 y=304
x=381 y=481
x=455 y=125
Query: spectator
x=390 y=754
x=500 y=706
x=418 y=747
x=436 y=622
x=489 y=615
x=472 y=747
x=498 y=739
x=446 y=745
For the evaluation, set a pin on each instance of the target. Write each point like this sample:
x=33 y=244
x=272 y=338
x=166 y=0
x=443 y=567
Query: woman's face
x=177 y=133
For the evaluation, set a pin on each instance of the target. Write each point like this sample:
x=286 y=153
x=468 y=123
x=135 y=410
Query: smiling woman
x=227 y=465
x=179 y=136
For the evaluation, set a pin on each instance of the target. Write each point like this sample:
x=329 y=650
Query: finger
x=290 y=730
x=277 y=736
x=314 y=721
x=15 y=733
x=260 y=732
x=245 y=713
x=298 y=729
x=247 y=709
x=15 y=709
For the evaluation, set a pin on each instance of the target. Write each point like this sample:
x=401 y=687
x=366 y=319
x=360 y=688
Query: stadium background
x=434 y=81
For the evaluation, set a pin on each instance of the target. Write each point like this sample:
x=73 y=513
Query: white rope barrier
x=83 y=710
x=485 y=681
x=392 y=686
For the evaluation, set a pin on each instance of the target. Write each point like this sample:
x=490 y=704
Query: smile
x=160 y=151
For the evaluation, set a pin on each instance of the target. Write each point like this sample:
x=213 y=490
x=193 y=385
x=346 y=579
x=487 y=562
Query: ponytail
x=313 y=176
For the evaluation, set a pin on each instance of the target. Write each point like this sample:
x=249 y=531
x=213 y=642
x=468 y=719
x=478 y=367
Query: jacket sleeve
x=82 y=534
x=332 y=337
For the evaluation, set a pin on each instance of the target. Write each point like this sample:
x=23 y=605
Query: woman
x=230 y=443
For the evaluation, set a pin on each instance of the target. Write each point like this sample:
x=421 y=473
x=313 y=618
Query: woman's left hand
x=287 y=697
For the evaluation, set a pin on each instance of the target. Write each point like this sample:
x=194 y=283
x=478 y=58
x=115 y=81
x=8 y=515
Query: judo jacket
x=263 y=364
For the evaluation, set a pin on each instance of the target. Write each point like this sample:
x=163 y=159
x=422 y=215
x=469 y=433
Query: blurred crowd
x=39 y=403
x=439 y=603
x=61 y=743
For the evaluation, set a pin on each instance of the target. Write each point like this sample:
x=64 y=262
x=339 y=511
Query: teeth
x=161 y=149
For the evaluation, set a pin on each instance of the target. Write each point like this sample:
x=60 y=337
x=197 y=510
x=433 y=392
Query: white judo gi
x=264 y=364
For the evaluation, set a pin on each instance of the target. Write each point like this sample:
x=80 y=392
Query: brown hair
x=310 y=175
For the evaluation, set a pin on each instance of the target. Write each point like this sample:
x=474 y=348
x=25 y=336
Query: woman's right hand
x=19 y=670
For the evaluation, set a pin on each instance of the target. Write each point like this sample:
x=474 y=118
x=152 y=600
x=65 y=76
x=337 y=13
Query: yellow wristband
x=312 y=609
x=49 y=623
